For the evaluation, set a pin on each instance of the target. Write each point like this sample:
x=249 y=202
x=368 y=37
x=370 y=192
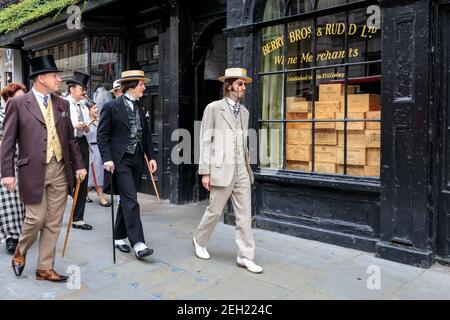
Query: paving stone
x=242 y=287
x=177 y=289
x=308 y=293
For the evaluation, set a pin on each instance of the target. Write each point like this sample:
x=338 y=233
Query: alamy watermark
x=374 y=280
x=74 y=19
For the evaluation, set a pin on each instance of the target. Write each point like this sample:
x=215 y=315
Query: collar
x=231 y=102
x=39 y=95
x=129 y=97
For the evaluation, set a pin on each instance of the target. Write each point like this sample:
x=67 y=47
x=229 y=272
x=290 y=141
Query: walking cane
x=74 y=203
x=153 y=179
x=112 y=217
x=93 y=170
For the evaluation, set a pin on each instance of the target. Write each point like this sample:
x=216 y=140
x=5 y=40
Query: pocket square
x=64 y=114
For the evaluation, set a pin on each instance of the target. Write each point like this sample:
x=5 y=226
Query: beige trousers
x=240 y=192
x=46 y=216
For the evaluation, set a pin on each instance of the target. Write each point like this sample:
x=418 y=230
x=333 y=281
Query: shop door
x=443 y=125
x=147 y=59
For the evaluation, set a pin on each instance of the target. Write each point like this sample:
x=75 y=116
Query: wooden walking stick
x=153 y=179
x=74 y=204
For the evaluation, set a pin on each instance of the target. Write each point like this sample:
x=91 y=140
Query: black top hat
x=80 y=78
x=42 y=64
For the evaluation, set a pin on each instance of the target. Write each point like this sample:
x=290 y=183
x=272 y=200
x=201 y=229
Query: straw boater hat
x=236 y=73
x=116 y=86
x=132 y=75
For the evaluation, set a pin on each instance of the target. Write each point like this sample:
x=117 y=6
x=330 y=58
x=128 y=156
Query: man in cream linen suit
x=224 y=165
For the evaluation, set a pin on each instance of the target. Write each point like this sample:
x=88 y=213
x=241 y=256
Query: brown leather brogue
x=50 y=275
x=18 y=262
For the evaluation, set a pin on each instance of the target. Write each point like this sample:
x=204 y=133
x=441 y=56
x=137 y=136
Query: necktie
x=45 y=102
x=236 y=109
x=133 y=102
x=80 y=119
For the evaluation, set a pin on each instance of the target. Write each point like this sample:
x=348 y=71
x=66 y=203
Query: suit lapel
x=226 y=114
x=57 y=109
x=33 y=106
x=120 y=107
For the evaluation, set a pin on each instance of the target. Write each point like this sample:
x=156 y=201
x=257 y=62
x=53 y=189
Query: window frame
x=332 y=180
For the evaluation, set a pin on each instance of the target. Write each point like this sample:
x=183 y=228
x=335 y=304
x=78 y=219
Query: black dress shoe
x=11 y=245
x=82 y=226
x=107 y=204
x=122 y=247
x=143 y=253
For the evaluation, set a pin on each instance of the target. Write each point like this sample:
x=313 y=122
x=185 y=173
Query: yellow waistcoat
x=53 y=143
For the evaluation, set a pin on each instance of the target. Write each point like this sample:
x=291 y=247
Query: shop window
x=319 y=84
x=107 y=59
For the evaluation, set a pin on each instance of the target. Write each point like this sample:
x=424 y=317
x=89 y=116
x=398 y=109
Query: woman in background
x=12 y=210
x=95 y=157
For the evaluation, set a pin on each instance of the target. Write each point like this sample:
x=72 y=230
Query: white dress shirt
x=74 y=113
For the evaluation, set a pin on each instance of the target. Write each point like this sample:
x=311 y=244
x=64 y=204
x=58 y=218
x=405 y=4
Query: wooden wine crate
x=373 y=157
x=373 y=138
x=327 y=106
x=305 y=166
x=325 y=154
x=355 y=156
x=298 y=152
x=325 y=116
x=352 y=170
x=351 y=125
x=373 y=125
x=325 y=167
x=325 y=137
x=333 y=91
x=372 y=171
x=299 y=136
x=298 y=106
x=298 y=116
x=361 y=102
x=355 y=139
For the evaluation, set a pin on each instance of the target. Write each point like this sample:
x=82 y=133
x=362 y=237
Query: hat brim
x=146 y=80
x=34 y=74
x=76 y=82
x=114 y=89
x=246 y=79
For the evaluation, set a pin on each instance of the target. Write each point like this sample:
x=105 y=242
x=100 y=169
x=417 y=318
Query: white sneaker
x=249 y=265
x=200 y=251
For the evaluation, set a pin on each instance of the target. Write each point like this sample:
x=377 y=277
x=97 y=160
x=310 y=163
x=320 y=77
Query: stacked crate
x=363 y=139
x=298 y=135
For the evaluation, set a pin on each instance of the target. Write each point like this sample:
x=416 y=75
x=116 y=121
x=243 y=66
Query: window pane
x=330 y=39
x=363 y=137
x=364 y=42
x=272 y=44
x=271 y=145
x=300 y=51
x=324 y=4
x=106 y=61
x=299 y=6
x=271 y=97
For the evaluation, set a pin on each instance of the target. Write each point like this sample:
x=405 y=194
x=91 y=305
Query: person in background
x=116 y=90
x=95 y=158
x=12 y=210
x=79 y=114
